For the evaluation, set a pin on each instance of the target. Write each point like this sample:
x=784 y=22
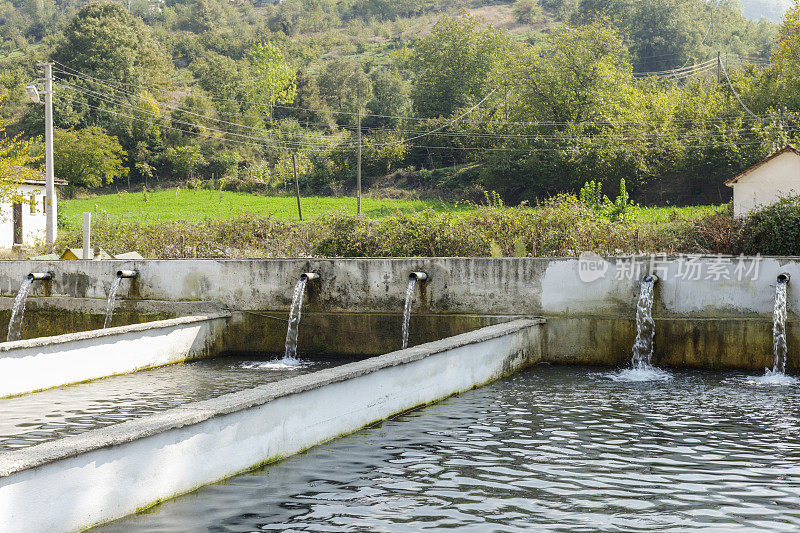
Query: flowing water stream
x=642 y=368
x=290 y=355
x=779 y=328
x=777 y=375
x=15 y=324
x=412 y=281
x=645 y=327
x=112 y=297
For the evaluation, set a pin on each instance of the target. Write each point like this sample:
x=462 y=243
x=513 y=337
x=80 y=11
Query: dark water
x=552 y=449
x=33 y=418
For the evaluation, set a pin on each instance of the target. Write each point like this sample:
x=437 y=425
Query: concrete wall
x=510 y=286
x=36 y=364
x=589 y=304
x=108 y=473
x=766 y=184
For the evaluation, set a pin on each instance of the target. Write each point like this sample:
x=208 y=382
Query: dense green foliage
x=535 y=101
x=775 y=230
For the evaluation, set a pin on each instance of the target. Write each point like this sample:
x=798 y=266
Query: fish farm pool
x=549 y=449
x=48 y=415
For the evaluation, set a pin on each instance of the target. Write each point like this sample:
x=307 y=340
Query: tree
x=452 y=63
x=104 y=41
x=787 y=50
x=577 y=75
x=274 y=80
x=88 y=157
x=185 y=160
x=389 y=97
x=15 y=156
x=345 y=87
x=527 y=11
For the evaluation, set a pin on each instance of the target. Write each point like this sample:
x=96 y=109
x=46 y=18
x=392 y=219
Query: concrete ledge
x=44 y=362
x=105 y=474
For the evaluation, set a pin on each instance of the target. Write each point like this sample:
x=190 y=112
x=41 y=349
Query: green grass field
x=663 y=214
x=189 y=205
x=167 y=205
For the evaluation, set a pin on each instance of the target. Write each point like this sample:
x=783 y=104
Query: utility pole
x=358 y=166
x=297 y=187
x=719 y=65
x=50 y=189
x=505 y=102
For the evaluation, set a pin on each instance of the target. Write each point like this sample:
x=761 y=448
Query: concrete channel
x=83 y=480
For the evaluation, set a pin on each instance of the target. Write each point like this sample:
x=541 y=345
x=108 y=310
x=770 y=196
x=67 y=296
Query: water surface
x=55 y=413
x=551 y=449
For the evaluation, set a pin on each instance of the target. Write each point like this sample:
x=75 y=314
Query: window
x=33 y=204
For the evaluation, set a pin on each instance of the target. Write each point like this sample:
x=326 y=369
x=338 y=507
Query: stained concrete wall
x=510 y=286
x=103 y=474
x=36 y=364
x=589 y=304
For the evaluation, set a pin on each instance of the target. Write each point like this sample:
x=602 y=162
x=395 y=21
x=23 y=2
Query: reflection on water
x=33 y=418
x=552 y=449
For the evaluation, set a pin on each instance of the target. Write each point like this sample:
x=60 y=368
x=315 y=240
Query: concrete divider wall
x=103 y=474
x=36 y=364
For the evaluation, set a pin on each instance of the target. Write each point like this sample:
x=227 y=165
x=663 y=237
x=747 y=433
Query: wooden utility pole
x=358 y=165
x=297 y=187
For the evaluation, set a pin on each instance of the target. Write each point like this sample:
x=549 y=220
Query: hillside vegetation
x=526 y=98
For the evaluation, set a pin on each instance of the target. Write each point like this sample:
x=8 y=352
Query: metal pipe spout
x=309 y=276
x=784 y=277
x=40 y=276
x=419 y=276
x=650 y=277
x=127 y=273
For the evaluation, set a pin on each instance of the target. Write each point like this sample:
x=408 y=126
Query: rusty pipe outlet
x=309 y=276
x=40 y=276
x=784 y=277
x=127 y=274
x=650 y=277
x=419 y=276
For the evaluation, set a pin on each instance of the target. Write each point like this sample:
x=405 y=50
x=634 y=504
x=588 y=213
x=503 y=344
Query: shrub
x=775 y=229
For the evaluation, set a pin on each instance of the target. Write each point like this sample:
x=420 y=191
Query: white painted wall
x=75 y=483
x=33 y=223
x=767 y=183
x=37 y=364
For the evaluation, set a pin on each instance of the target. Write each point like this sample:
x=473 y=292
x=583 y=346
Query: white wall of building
x=33 y=223
x=766 y=184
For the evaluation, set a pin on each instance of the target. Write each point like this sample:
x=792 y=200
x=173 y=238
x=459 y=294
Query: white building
x=26 y=223
x=766 y=182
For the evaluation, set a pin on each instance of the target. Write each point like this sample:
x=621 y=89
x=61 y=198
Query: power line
x=725 y=71
x=473 y=122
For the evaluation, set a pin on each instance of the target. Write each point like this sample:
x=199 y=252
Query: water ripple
x=552 y=449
